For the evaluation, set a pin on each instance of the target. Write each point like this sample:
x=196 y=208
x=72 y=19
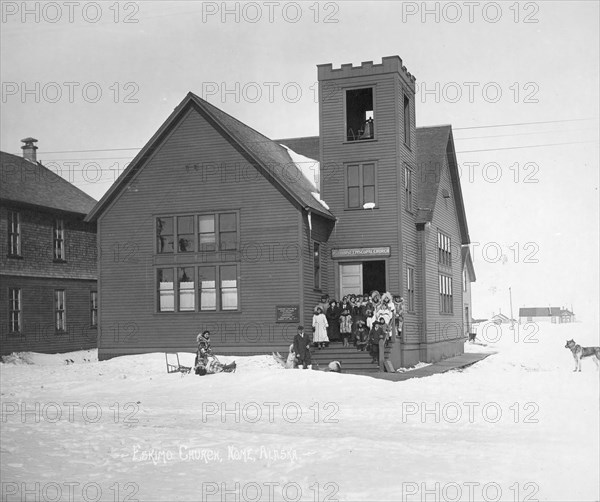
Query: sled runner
x=175 y=367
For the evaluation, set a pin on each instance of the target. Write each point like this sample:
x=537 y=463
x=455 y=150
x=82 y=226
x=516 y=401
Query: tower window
x=360 y=117
x=407 y=130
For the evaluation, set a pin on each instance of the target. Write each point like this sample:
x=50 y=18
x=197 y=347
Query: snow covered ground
x=519 y=425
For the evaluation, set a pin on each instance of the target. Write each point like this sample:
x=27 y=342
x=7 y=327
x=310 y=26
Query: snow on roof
x=317 y=196
x=310 y=168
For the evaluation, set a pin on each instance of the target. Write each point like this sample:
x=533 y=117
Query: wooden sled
x=173 y=364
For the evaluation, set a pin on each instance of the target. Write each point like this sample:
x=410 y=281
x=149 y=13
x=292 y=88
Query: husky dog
x=580 y=352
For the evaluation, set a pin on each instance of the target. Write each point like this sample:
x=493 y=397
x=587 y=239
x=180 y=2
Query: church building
x=222 y=228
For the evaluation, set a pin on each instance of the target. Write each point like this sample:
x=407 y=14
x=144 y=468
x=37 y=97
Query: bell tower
x=367 y=142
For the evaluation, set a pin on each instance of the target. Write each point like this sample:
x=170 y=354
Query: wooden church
x=219 y=227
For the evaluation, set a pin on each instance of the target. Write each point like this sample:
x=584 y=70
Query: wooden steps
x=352 y=360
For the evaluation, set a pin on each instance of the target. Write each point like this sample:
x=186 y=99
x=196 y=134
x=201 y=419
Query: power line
x=521 y=124
x=525 y=146
x=454 y=129
x=525 y=134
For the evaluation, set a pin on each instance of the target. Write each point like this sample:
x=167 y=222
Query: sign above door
x=381 y=251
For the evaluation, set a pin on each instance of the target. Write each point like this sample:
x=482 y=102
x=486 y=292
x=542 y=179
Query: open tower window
x=360 y=117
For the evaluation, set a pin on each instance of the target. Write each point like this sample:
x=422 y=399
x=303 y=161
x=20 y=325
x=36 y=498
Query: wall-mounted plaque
x=287 y=313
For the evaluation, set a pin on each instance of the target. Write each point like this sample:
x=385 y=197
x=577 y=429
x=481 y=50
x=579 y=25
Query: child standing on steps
x=346 y=321
x=320 y=324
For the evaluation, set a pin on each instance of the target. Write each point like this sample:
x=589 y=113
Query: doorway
x=362 y=277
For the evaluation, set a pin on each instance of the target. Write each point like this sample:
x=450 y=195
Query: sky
x=518 y=82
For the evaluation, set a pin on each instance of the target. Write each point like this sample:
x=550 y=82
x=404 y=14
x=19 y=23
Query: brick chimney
x=29 y=149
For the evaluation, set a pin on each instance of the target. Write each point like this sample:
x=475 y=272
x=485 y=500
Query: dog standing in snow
x=580 y=352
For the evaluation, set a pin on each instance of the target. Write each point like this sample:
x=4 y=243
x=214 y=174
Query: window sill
x=359 y=141
x=359 y=208
x=59 y=260
x=188 y=312
x=14 y=256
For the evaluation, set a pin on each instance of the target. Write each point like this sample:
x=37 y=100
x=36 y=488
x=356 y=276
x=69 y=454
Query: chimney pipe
x=29 y=149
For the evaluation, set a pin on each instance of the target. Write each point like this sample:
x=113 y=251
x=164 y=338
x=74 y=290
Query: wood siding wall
x=37 y=307
x=37 y=275
x=37 y=246
x=444 y=329
x=183 y=177
x=384 y=225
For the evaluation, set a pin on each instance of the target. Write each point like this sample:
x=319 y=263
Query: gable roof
x=309 y=146
x=435 y=145
x=468 y=262
x=543 y=312
x=31 y=183
x=270 y=158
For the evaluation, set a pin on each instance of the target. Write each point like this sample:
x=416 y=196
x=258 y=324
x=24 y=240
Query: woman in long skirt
x=320 y=324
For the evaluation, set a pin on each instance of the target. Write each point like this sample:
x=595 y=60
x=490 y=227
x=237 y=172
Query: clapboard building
x=48 y=264
x=554 y=315
x=228 y=230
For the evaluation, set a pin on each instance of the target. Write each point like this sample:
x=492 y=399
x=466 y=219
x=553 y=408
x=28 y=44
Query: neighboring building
x=48 y=260
x=502 y=319
x=228 y=231
x=468 y=277
x=556 y=315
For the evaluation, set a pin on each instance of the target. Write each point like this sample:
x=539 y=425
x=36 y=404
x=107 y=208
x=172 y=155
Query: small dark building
x=224 y=229
x=48 y=259
x=555 y=315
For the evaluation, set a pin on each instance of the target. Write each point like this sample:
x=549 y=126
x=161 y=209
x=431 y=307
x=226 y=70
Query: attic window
x=360 y=117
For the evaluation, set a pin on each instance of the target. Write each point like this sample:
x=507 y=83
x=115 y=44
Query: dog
x=332 y=367
x=288 y=363
x=580 y=352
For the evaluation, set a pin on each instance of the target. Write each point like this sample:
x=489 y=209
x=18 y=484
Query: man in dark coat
x=302 y=348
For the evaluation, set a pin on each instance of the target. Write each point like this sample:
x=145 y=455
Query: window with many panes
x=60 y=310
x=360 y=117
x=186 y=289
x=202 y=232
x=408 y=188
x=360 y=185
x=93 y=308
x=444 y=250
x=445 y=283
x=14 y=233
x=59 y=239
x=214 y=286
x=410 y=289
x=14 y=310
x=185 y=234
x=317 y=264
